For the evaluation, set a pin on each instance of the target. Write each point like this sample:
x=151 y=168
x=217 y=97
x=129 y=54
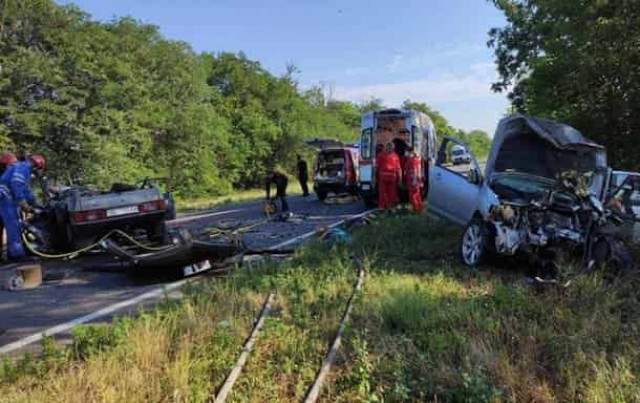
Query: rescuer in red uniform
x=389 y=177
x=413 y=179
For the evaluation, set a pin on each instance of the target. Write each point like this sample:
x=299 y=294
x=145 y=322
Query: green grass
x=423 y=329
x=238 y=196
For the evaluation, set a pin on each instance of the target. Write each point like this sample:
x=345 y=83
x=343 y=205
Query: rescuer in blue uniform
x=16 y=197
x=6 y=160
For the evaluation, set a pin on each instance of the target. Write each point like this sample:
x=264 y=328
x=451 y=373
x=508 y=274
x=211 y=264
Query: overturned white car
x=543 y=192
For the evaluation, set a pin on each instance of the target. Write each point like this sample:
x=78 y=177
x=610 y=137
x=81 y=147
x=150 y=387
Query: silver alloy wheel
x=472 y=244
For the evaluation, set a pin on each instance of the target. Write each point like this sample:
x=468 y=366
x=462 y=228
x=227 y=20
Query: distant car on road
x=335 y=169
x=460 y=155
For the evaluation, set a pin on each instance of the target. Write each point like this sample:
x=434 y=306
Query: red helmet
x=8 y=158
x=38 y=161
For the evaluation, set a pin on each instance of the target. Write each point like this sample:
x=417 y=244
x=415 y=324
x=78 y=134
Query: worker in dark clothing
x=280 y=181
x=303 y=176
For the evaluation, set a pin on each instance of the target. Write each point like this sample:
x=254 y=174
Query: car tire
x=76 y=242
x=473 y=243
x=58 y=230
x=370 y=201
x=157 y=232
x=322 y=194
x=171 y=212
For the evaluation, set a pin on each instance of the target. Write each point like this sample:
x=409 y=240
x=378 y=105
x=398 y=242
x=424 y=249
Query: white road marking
x=92 y=316
x=200 y=216
x=65 y=327
x=312 y=233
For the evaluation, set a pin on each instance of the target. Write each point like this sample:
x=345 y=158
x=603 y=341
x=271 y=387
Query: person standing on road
x=6 y=160
x=303 y=176
x=16 y=194
x=389 y=177
x=280 y=181
x=413 y=179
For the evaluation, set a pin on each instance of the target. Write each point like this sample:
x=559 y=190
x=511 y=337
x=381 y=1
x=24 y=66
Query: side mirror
x=473 y=177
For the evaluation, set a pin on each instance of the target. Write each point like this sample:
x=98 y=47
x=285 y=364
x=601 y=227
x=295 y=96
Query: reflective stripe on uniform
x=18 y=178
x=4 y=189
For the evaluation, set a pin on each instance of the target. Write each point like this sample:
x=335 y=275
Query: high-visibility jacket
x=413 y=172
x=389 y=168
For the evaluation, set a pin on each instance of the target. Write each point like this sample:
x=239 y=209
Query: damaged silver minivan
x=543 y=192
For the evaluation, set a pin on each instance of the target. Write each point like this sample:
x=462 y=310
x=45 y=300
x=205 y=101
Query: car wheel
x=370 y=201
x=472 y=246
x=322 y=194
x=75 y=242
x=171 y=211
x=157 y=232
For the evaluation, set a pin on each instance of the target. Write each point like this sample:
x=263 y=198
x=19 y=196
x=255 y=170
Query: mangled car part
x=555 y=216
x=186 y=253
x=543 y=194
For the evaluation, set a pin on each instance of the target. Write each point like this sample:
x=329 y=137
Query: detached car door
x=453 y=190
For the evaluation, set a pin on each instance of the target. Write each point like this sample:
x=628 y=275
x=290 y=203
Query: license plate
x=365 y=187
x=122 y=211
x=196 y=268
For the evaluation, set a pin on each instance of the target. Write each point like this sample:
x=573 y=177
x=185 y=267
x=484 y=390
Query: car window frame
x=473 y=161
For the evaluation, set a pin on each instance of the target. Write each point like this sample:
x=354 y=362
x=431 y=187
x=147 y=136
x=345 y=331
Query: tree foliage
x=577 y=62
x=116 y=101
x=478 y=141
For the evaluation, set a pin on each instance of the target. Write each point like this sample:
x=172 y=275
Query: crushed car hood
x=542 y=148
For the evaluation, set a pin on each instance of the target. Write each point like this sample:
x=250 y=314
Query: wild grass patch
x=437 y=331
x=177 y=352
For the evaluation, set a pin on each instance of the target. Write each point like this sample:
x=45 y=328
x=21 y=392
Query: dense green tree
x=478 y=141
x=117 y=101
x=577 y=62
x=270 y=118
x=441 y=124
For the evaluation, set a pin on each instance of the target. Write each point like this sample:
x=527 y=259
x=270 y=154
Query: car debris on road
x=185 y=253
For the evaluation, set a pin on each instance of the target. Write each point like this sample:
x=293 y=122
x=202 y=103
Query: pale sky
x=431 y=51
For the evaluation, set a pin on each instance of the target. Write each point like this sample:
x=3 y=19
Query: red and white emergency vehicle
x=403 y=128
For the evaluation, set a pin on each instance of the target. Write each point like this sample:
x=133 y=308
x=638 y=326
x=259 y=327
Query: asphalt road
x=74 y=288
